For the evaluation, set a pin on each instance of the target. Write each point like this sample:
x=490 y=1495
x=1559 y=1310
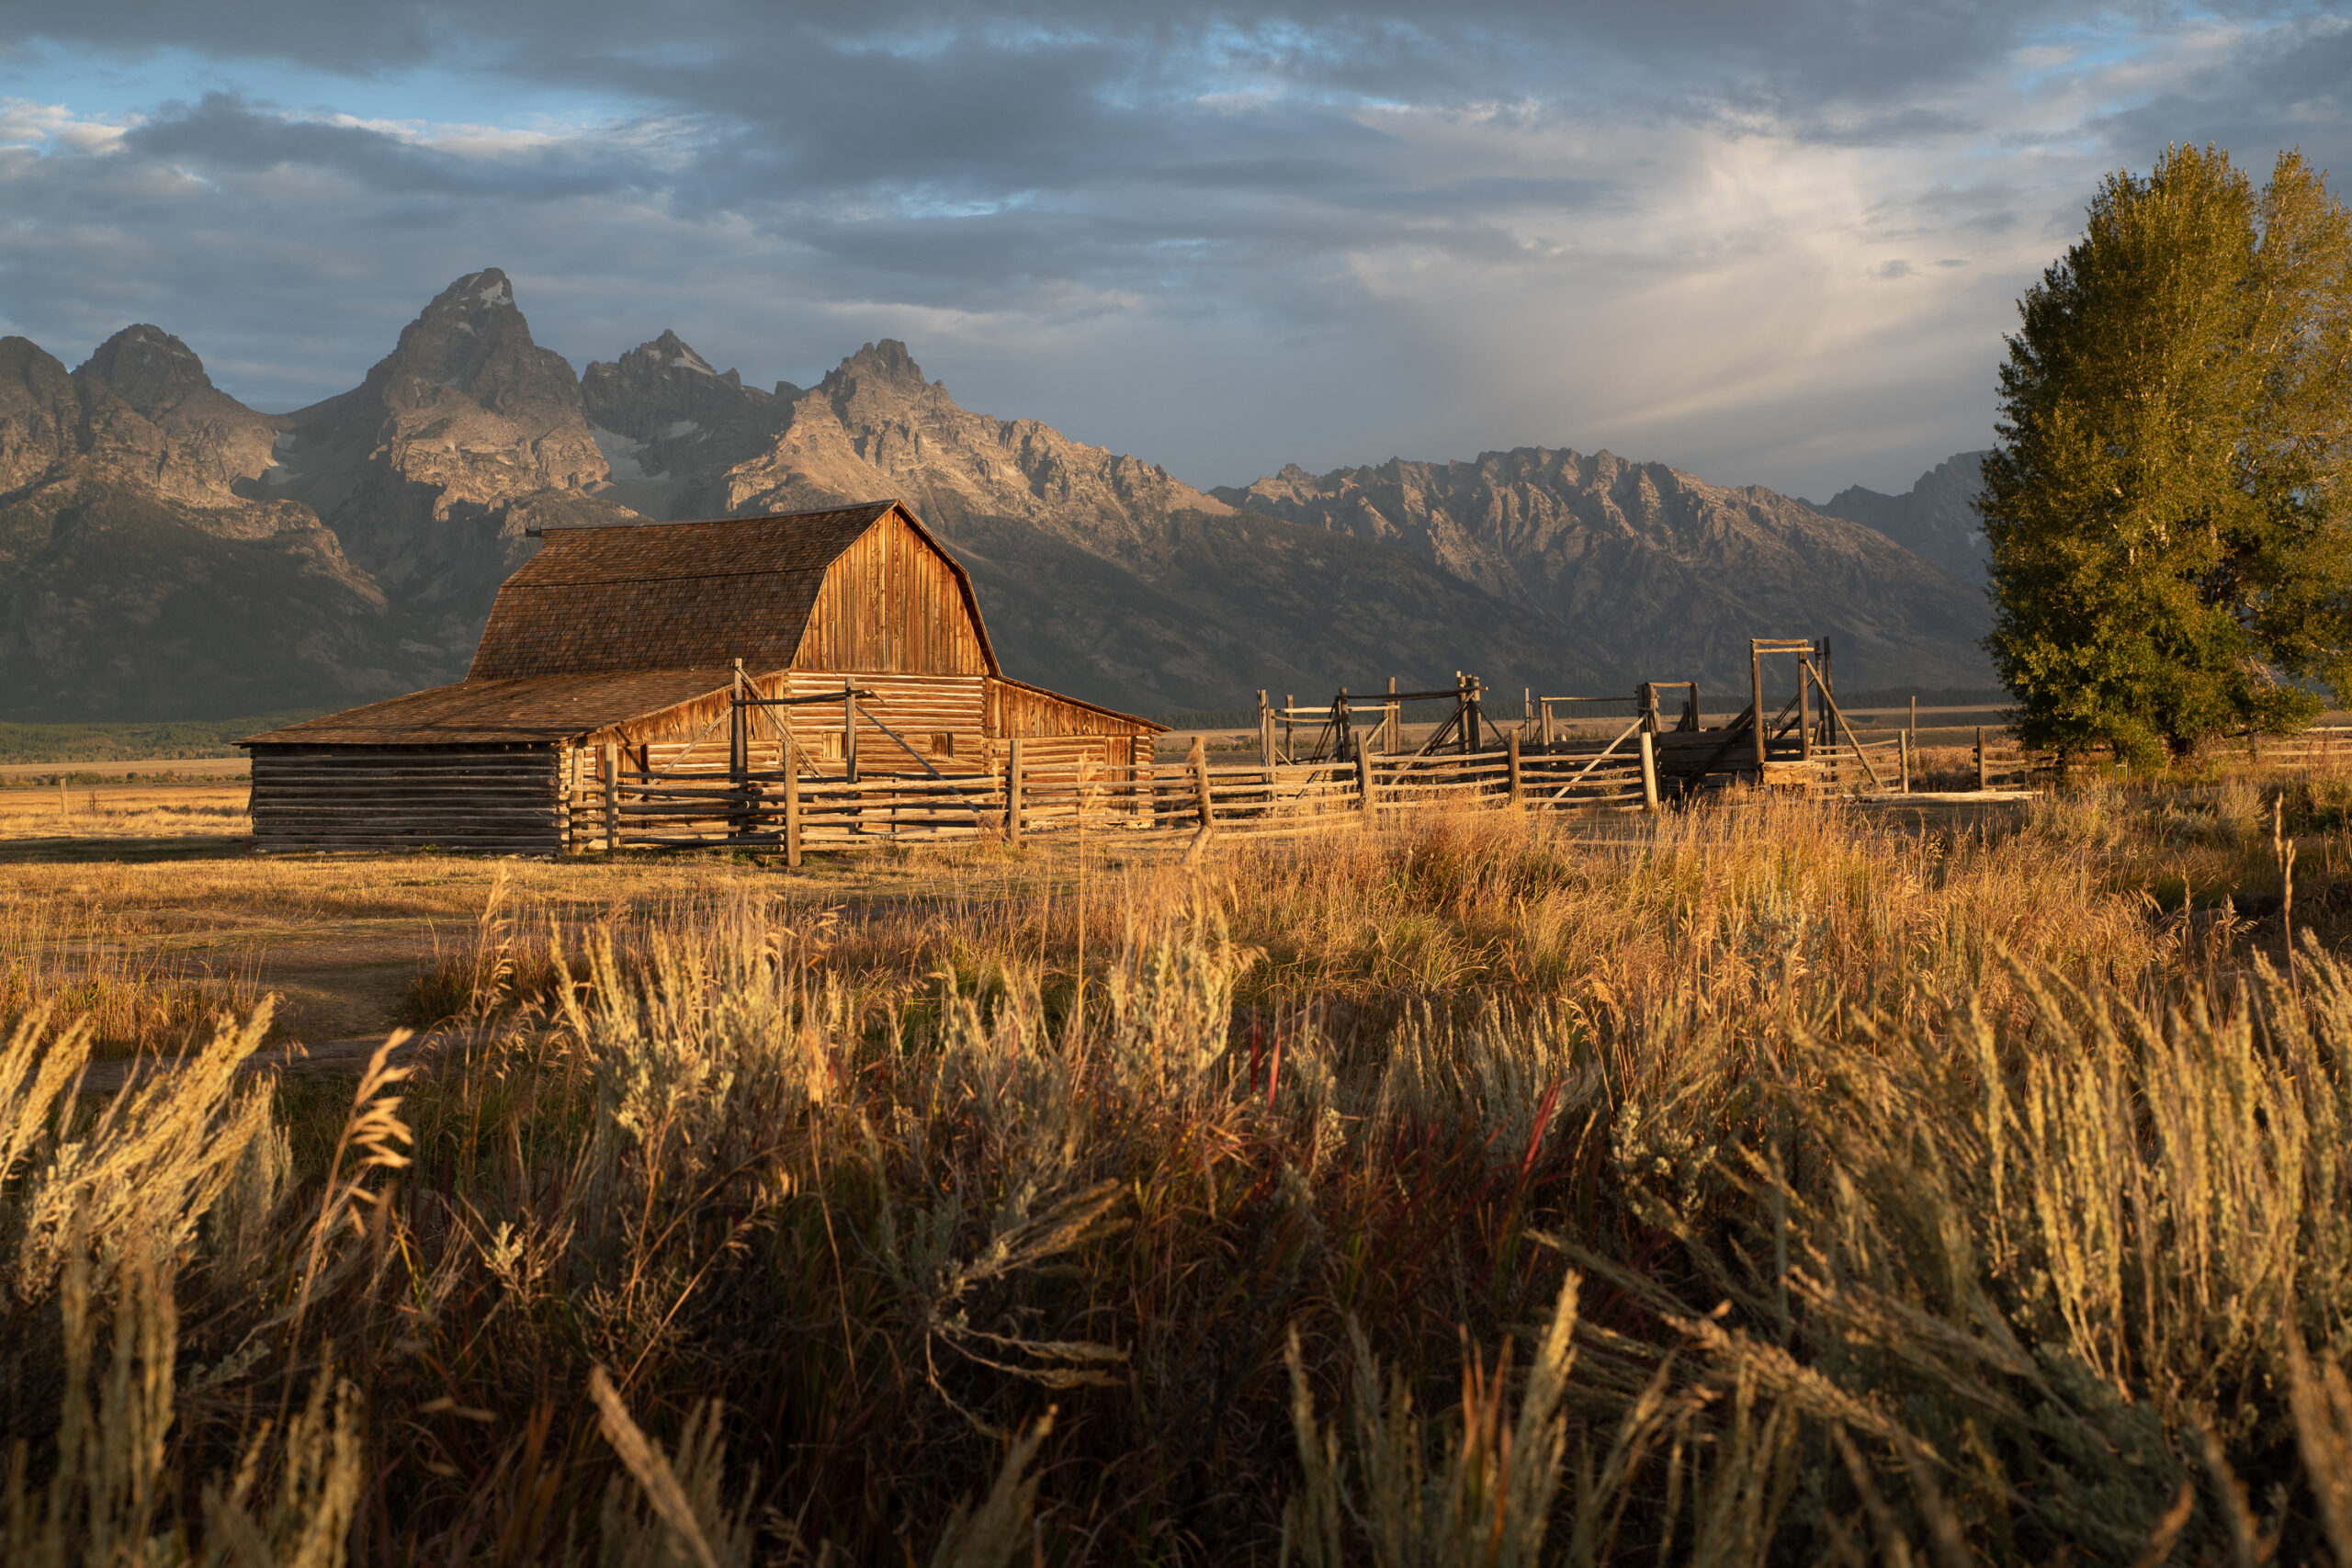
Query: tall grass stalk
x=1764 y=1185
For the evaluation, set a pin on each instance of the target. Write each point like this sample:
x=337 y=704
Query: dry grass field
x=1764 y=1183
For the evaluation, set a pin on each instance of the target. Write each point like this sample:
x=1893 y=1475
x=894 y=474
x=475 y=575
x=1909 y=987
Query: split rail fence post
x=65 y=805
x=1013 y=790
x=1266 y=750
x=1915 y=718
x=849 y=731
x=612 y=762
x=1392 y=723
x=1906 y=739
x=791 y=802
x=1198 y=760
x=1756 y=708
x=739 y=757
x=1804 y=708
x=1984 y=779
x=1365 y=796
x=1510 y=766
x=1649 y=772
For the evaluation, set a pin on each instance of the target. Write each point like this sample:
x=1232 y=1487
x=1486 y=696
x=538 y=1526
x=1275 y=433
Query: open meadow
x=1771 y=1180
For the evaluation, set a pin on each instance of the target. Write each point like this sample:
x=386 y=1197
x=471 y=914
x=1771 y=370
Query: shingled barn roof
x=540 y=710
x=678 y=595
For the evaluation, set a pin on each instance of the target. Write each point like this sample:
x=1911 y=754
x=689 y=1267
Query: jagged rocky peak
x=38 y=412
x=886 y=363
x=148 y=369
x=654 y=389
x=472 y=339
x=147 y=403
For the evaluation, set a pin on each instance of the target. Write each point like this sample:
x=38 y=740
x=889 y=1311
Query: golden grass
x=1760 y=1184
x=125 y=811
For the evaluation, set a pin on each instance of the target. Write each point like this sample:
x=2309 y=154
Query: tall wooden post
x=1392 y=723
x=791 y=768
x=849 y=731
x=1756 y=698
x=612 y=766
x=1344 y=719
x=738 y=734
x=1906 y=739
x=1544 y=711
x=1983 y=777
x=1649 y=771
x=1510 y=766
x=739 y=757
x=1290 y=740
x=1365 y=798
x=1804 y=709
x=1470 y=727
x=1013 y=790
x=1915 y=718
x=1266 y=748
x=1198 y=760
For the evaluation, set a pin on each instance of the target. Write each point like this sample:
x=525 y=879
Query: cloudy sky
x=1772 y=242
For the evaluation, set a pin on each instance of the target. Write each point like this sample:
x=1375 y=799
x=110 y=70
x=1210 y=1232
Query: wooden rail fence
x=678 y=796
x=703 y=804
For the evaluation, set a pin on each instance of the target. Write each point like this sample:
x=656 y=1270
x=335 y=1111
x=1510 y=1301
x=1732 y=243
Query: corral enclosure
x=627 y=650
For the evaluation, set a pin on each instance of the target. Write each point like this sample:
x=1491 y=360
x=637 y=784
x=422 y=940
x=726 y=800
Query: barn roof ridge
x=648 y=595
x=876 y=508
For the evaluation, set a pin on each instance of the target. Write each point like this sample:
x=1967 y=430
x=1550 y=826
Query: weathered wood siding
x=942 y=716
x=485 y=800
x=890 y=604
x=1057 y=730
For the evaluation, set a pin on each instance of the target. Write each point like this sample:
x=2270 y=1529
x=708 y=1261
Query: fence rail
x=702 y=805
x=788 y=809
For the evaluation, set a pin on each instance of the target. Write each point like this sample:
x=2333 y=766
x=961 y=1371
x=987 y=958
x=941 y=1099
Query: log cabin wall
x=891 y=604
x=1057 y=731
x=942 y=716
x=479 y=799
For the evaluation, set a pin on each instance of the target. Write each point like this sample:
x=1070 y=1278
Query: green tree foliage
x=2168 y=513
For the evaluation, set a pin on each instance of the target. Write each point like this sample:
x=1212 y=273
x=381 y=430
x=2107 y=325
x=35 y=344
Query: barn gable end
x=627 y=639
x=894 y=603
x=861 y=588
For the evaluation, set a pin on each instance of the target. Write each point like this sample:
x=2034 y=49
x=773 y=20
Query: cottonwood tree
x=2168 y=511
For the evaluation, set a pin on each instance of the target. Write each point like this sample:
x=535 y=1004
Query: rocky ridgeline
x=1675 y=572
x=168 y=550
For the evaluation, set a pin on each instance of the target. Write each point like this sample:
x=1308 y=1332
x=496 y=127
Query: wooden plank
x=792 y=823
x=1755 y=697
x=1012 y=782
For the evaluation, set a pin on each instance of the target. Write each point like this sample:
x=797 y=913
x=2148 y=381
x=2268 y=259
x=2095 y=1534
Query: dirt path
x=349 y=1057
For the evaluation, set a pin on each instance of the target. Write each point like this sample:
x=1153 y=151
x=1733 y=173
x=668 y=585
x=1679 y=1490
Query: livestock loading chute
x=1643 y=748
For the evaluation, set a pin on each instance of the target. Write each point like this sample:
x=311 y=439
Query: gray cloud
x=1770 y=242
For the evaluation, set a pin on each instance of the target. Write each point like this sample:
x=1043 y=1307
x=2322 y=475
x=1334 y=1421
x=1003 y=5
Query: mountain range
x=166 y=551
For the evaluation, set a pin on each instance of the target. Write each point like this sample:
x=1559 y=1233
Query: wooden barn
x=624 y=642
